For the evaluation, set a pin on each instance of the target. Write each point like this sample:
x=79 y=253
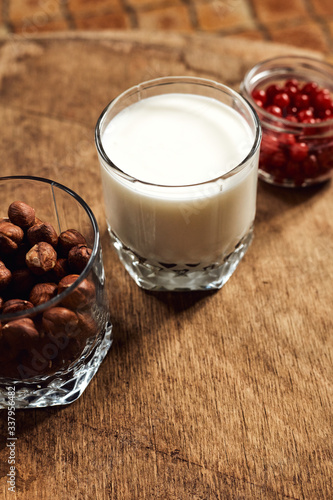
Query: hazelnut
x=69 y=239
x=43 y=292
x=20 y=333
x=1 y=304
x=41 y=258
x=21 y=214
x=60 y=320
x=78 y=258
x=14 y=305
x=42 y=231
x=87 y=324
x=5 y=276
x=81 y=296
x=10 y=237
x=60 y=270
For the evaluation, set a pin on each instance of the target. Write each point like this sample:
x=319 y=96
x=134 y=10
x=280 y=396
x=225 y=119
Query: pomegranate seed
x=310 y=120
x=291 y=118
x=298 y=151
x=259 y=103
x=323 y=101
x=281 y=100
x=327 y=115
x=302 y=101
x=274 y=110
x=293 y=82
x=310 y=88
x=287 y=139
x=304 y=114
x=278 y=160
x=292 y=91
x=259 y=95
x=269 y=144
x=310 y=130
x=271 y=92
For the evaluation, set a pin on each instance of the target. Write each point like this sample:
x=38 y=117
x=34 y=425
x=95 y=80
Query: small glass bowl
x=293 y=154
x=50 y=352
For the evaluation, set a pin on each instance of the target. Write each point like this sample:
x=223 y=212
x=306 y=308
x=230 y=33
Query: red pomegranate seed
x=293 y=82
x=292 y=110
x=287 y=139
x=278 y=160
x=274 y=110
x=327 y=114
x=312 y=121
x=302 y=101
x=292 y=91
x=269 y=144
x=304 y=114
x=282 y=100
x=310 y=88
x=298 y=151
x=322 y=101
x=259 y=95
x=271 y=92
x=291 y=118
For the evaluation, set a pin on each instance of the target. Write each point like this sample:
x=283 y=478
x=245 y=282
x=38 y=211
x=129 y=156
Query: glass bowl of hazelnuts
x=293 y=97
x=55 y=327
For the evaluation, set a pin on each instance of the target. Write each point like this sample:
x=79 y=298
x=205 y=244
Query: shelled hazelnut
x=36 y=265
x=21 y=214
x=41 y=258
x=42 y=231
x=78 y=257
x=5 y=276
x=13 y=306
x=43 y=292
x=81 y=296
x=60 y=269
x=20 y=333
x=69 y=239
x=59 y=319
x=10 y=237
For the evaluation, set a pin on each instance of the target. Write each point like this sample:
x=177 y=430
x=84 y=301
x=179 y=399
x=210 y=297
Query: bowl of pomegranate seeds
x=293 y=97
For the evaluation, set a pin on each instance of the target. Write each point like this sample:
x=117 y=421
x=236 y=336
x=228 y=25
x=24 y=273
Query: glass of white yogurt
x=179 y=160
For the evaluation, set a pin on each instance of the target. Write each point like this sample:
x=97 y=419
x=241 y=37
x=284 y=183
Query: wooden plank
x=205 y=395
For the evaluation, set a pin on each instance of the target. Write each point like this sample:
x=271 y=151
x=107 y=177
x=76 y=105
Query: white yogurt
x=171 y=142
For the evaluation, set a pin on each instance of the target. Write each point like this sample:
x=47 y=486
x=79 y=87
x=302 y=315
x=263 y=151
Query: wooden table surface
x=224 y=395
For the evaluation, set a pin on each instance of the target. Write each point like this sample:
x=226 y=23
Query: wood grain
x=224 y=395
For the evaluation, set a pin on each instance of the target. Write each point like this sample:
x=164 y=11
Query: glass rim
x=58 y=298
x=169 y=80
x=310 y=63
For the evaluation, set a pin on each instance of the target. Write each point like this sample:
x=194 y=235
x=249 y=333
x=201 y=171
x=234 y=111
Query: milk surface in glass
x=174 y=144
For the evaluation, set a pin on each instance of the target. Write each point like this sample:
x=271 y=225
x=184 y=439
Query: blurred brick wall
x=304 y=23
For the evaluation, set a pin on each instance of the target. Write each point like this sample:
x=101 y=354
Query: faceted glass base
x=61 y=388
x=168 y=277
